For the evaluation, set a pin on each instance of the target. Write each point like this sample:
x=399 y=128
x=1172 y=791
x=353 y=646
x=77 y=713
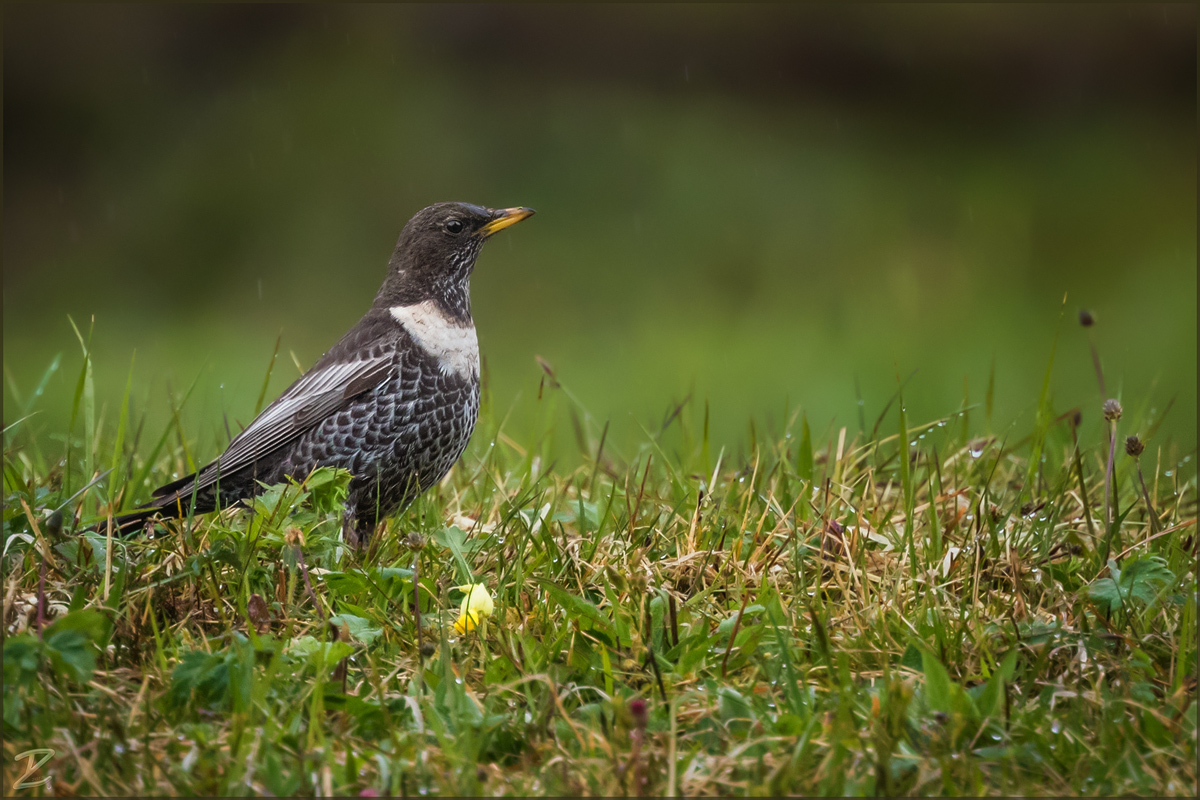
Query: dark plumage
x=394 y=402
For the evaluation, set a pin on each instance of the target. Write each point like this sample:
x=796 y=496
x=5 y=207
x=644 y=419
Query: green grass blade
x=115 y=477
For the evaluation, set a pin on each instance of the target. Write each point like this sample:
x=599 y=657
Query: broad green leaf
x=734 y=706
x=1142 y=579
x=309 y=647
x=989 y=700
x=20 y=659
x=912 y=659
x=456 y=542
x=937 y=683
x=361 y=629
x=344 y=584
x=726 y=626
x=328 y=489
x=72 y=654
x=89 y=622
x=192 y=671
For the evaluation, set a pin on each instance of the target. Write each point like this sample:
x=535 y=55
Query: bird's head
x=436 y=253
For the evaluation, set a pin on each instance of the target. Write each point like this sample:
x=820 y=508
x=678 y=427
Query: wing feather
x=316 y=395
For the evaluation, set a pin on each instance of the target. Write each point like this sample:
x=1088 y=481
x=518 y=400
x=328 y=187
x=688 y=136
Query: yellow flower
x=476 y=607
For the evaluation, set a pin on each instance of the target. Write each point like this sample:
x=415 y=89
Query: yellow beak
x=505 y=217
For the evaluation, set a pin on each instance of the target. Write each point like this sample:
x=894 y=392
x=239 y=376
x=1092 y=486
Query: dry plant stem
x=1108 y=475
x=308 y=583
x=662 y=688
x=417 y=609
x=41 y=592
x=1087 y=512
x=733 y=635
x=41 y=597
x=1146 y=497
x=108 y=549
x=632 y=764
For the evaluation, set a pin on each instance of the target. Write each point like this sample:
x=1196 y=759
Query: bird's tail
x=168 y=502
x=128 y=524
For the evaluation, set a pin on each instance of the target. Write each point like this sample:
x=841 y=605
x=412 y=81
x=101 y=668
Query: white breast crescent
x=453 y=344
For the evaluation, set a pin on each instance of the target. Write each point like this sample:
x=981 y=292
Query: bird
x=394 y=401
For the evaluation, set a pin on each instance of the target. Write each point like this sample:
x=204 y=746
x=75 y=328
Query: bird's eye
x=454 y=226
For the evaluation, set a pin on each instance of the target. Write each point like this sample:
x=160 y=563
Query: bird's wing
x=317 y=394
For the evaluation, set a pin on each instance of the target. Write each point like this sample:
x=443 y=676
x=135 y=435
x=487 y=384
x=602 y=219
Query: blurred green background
x=758 y=205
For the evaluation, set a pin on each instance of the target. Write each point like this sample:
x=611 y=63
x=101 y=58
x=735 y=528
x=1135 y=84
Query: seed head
x=639 y=711
x=1134 y=446
x=1085 y=318
x=294 y=537
x=1112 y=410
x=415 y=542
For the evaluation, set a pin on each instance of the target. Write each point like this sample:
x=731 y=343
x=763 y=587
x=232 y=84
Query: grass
x=905 y=608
